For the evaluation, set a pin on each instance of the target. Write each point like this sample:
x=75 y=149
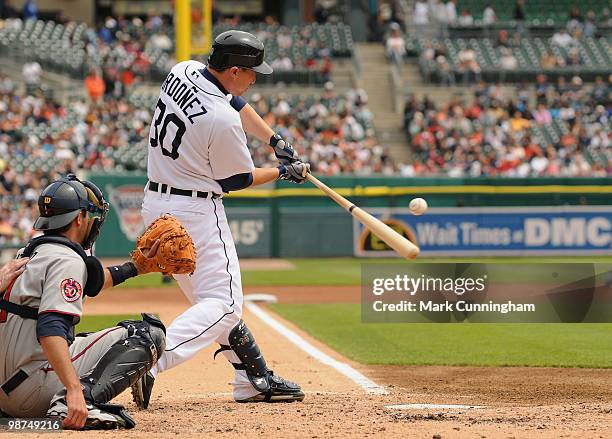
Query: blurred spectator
x=326 y=68
x=451 y=12
x=519 y=10
x=605 y=17
x=282 y=63
x=322 y=10
x=357 y=96
x=395 y=45
x=421 y=13
x=488 y=15
x=95 y=86
x=507 y=61
x=447 y=77
x=548 y=61
x=590 y=27
x=562 y=39
x=574 y=23
x=573 y=58
x=503 y=39
x=465 y=19
x=161 y=41
x=542 y=115
x=601 y=92
x=30 y=10
x=468 y=65
x=284 y=39
x=32 y=72
x=438 y=12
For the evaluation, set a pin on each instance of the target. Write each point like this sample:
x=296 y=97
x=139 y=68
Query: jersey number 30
x=158 y=139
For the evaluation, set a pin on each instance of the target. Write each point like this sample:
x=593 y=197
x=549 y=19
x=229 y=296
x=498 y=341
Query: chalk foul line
x=361 y=380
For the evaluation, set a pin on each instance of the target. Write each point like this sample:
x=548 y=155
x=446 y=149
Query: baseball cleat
x=281 y=390
x=141 y=390
x=100 y=416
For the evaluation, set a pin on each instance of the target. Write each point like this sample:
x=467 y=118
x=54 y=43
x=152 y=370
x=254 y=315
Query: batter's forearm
x=254 y=125
x=56 y=351
x=264 y=175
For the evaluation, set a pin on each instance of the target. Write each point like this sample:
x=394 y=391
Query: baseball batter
x=46 y=370
x=198 y=151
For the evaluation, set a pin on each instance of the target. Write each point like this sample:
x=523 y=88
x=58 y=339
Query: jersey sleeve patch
x=71 y=289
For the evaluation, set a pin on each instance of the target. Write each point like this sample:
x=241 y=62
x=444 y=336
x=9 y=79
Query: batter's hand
x=283 y=150
x=10 y=271
x=295 y=172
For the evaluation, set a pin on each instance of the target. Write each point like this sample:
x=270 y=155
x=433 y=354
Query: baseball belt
x=154 y=187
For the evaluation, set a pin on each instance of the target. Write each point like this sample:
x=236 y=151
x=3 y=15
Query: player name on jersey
x=185 y=96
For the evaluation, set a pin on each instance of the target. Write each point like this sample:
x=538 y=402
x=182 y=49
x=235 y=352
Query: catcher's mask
x=61 y=202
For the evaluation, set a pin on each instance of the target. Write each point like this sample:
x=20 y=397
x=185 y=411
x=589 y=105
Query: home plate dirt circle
x=433 y=406
x=194 y=400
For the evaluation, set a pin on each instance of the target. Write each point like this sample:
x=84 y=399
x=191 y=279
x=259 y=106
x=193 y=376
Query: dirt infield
x=194 y=399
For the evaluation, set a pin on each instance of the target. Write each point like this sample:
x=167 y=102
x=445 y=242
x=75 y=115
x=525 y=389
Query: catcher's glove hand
x=175 y=253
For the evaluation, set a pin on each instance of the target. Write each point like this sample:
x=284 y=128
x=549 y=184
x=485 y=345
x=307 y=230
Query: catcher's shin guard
x=127 y=360
x=272 y=388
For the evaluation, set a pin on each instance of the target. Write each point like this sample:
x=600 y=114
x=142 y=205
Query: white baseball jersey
x=196 y=136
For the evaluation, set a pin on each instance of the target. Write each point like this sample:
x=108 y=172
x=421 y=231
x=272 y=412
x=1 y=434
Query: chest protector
x=95 y=271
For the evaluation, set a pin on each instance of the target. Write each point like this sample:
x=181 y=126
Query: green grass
x=93 y=323
x=344 y=271
x=561 y=345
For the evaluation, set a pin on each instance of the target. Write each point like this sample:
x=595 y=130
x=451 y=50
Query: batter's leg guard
x=123 y=364
x=271 y=387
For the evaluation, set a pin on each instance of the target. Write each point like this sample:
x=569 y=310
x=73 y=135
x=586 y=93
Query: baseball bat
x=393 y=239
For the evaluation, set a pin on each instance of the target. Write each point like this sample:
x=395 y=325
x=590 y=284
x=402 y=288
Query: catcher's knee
x=127 y=360
x=150 y=329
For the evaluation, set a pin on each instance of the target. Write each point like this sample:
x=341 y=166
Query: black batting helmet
x=61 y=202
x=239 y=49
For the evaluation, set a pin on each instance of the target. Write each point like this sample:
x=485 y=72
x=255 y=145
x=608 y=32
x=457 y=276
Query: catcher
x=46 y=369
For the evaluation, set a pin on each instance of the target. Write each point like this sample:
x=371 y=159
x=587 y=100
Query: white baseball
x=418 y=206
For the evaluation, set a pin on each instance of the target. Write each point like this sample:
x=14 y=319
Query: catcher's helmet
x=61 y=202
x=240 y=49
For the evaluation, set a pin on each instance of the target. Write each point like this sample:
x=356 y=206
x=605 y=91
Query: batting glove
x=295 y=172
x=283 y=150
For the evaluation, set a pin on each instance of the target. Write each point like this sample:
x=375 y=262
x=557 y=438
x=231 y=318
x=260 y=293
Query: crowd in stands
x=561 y=130
x=128 y=50
x=41 y=139
x=332 y=132
x=447 y=13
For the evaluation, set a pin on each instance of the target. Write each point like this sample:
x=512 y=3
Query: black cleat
x=141 y=390
x=281 y=390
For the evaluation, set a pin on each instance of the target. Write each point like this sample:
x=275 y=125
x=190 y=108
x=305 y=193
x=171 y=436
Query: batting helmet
x=240 y=49
x=61 y=202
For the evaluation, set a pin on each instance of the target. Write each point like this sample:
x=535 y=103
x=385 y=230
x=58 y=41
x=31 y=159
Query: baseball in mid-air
x=418 y=206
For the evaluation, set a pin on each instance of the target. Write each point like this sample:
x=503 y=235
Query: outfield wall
x=287 y=220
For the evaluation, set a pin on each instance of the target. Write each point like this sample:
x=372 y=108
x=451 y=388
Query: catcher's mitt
x=176 y=253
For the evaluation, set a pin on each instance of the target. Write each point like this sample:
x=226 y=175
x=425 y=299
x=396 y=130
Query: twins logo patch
x=71 y=290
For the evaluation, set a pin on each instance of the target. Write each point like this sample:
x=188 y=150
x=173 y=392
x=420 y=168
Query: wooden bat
x=393 y=239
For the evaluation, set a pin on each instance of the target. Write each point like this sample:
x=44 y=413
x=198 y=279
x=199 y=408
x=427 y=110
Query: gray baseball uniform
x=53 y=282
